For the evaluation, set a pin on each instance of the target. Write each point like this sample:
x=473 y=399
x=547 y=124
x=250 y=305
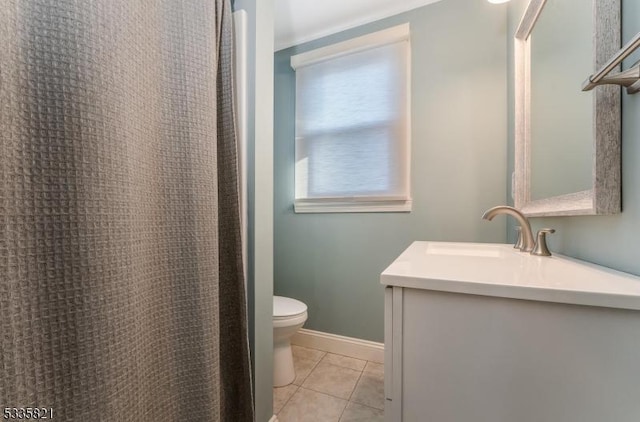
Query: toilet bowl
x=289 y=316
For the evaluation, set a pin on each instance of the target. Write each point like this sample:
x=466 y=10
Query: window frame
x=363 y=203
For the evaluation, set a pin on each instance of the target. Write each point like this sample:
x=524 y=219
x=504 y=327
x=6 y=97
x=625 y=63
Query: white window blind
x=352 y=125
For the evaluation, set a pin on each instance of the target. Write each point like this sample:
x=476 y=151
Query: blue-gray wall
x=612 y=241
x=332 y=262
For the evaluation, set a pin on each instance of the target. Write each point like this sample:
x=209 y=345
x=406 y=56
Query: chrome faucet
x=525 y=227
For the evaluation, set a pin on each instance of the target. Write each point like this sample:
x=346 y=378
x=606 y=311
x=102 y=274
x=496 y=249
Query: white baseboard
x=340 y=345
x=274 y=418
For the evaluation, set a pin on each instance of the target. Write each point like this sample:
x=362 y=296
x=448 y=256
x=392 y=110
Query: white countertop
x=492 y=269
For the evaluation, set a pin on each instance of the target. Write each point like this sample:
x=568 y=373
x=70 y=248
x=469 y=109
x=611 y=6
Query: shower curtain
x=121 y=292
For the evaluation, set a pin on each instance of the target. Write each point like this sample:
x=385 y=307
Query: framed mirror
x=567 y=142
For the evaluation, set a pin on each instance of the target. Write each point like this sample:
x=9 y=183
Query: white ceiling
x=299 y=21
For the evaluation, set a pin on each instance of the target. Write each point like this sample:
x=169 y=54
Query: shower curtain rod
x=629 y=78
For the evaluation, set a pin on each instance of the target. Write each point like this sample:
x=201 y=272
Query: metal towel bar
x=629 y=78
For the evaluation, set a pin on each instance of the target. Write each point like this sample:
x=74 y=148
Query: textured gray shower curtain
x=121 y=293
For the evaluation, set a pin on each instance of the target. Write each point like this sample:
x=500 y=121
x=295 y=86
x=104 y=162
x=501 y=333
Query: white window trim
x=320 y=205
x=354 y=45
x=365 y=204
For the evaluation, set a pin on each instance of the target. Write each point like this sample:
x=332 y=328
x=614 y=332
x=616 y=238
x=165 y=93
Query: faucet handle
x=541 y=244
x=518 y=244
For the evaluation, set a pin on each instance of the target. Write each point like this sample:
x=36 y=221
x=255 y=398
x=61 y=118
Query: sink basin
x=464 y=249
x=492 y=269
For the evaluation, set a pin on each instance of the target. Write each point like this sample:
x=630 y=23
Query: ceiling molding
x=300 y=21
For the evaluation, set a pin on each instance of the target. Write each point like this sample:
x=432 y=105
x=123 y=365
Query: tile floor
x=331 y=388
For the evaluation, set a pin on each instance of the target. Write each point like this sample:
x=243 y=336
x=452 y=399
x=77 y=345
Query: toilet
x=289 y=315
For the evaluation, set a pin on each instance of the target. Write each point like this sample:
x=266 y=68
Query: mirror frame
x=605 y=195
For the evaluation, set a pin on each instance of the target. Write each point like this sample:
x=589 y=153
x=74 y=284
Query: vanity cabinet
x=483 y=333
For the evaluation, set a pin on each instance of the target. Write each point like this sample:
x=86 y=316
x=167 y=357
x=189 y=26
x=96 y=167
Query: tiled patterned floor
x=331 y=388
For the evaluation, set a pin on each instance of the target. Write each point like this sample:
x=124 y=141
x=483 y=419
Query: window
x=352 y=125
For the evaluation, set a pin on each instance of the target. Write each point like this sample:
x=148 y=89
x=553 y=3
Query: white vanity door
x=487 y=359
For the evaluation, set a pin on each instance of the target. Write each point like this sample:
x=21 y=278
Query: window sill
x=310 y=206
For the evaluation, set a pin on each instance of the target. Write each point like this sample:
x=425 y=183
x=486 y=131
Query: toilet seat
x=286 y=308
